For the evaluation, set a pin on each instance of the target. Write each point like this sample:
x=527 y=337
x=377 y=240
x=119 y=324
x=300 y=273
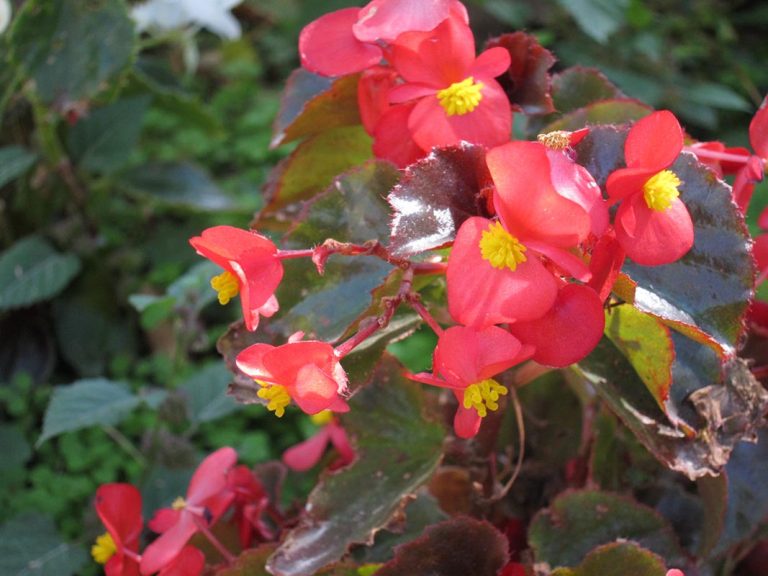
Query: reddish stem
x=430 y=267
x=725 y=156
x=286 y=254
x=416 y=304
x=200 y=522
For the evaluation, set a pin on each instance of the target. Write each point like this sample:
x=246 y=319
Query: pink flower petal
x=119 y=508
x=189 y=562
x=491 y=63
x=575 y=183
x=466 y=422
x=654 y=142
x=392 y=140
x=526 y=201
x=304 y=455
x=328 y=47
x=210 y=478
x=387 y=19
x=758 y=130
x=569 y=331
x=480 y=295
x=314 y=389
x=160 y=553
x=624 y=182
x=373 y=92
x=464 y=355
x=653 y=237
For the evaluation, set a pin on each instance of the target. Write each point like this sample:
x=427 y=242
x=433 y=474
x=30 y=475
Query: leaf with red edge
x=435 y=196
x=308 y=171
x=312 y=104
x=527 y=81
x=397 y=449
x=613 y=111
x=577 y=522
x=577 y=87
x=758 y=130
x=707 y=291
x=456 y=547
x=647 y=343
x=617 y=559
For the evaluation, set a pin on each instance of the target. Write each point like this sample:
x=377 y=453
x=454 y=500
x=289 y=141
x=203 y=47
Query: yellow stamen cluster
x=226 y=285
x=500 y=248
x=661 y=190
x=276 y=395
x=104 y=548
x=483 y=396
x=322 y=418
x=179 y=503
x=461 y=97
x=555 y=140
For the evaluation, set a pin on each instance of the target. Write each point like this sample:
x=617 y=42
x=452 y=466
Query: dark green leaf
x=206 y=396
x=527 y=81
x=577 y=522
x=179 y=184
x=577 y=87
x=613 y=111
x=710 y=287
x=87 y=403
x=15 y=448
x=153 y=309
x=456 y=547
x=32 y=271
x=14 y=161
x=397 y=451
x=309 y=170
x=30 y=546
x=312 y=104
x=72 y=49
x=103 y=141
x=435 y=196
x=617 y=559
x=250 y=563
x=598 y=19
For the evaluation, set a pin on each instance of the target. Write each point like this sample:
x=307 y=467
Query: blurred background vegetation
x=184 y=144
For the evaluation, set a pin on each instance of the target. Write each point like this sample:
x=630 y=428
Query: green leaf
x=716 y=95
x=312 y=104
x=352 y=210
x=456 y=547
x=435 y=196
x=309 y=170
x=397 y=451
x=617 y=559
x=14 y=161
x=250 y=563
x=709 y=288
x=32 y=271
x=647 y=344
x=153 y=309
x=613 y=111
x=577 y=87
x=30 y=546
x=85 y=403
x=206 y=396
x=598 y=19
x=72 y=50
x=103 y=141
x=181 y=184
x=16 y=449
x=577 y=522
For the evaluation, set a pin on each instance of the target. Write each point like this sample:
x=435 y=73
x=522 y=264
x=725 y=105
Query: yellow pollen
x=461 y=97
x=226 y=285
x=661 y=190
x=104 y=548
x=555 y=140
x=179 y=503
x=322 y=418
x=500 y=248
x=483 y=396
x=277 y=396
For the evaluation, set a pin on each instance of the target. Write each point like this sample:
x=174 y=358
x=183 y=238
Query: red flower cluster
x=216 y=487
x=432 y=91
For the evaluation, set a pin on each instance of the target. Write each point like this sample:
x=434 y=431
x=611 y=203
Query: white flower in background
x=164 y=15
x=5 y=14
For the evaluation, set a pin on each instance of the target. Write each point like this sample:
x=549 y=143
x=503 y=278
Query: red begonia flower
x=349 y=40
x=119 y=508
x=457 y=98
x=491 y=281
x=391 y=142
x=308 y=372
x=305 y=455
x=249 y=504
x=208 y=497
x=465 y=361
x=675 y=572
x=189 y=562
x=251 y=268
x=569 y=331
x=652 y=224
x=606 y=262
